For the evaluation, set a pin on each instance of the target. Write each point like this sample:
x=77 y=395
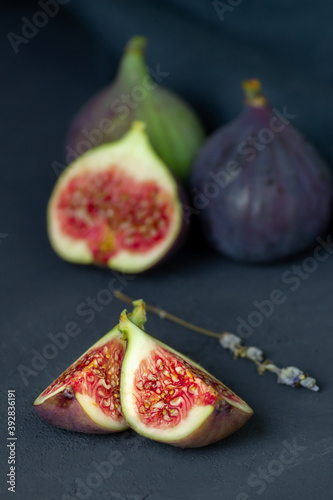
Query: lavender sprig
x=291 y=376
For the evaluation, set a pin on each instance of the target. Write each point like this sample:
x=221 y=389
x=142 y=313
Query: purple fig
x=117 y=205
x=262 y=192
x=173 y=128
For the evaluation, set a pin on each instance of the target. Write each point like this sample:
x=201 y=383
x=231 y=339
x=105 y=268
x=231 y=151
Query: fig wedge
x=85 y=397
x=167 y=397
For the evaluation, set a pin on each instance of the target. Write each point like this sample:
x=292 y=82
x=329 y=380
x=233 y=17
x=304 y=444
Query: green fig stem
x=137 y=43
x=133 y=72
x=291 y=376
x=132 y=69
x=253 y=93
x=138 y=315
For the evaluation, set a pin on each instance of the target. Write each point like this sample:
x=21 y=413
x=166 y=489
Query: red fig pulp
x=167 y=397
x=262 y=191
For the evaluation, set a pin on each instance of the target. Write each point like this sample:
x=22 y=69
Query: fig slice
x=118 y=206
x=167 y=397
x=85 y=397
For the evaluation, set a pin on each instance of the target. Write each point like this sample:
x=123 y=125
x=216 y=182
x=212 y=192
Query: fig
x=262 y=192
x=172 y=126
x=118 y=206
x=85 y=397
x=167 y=397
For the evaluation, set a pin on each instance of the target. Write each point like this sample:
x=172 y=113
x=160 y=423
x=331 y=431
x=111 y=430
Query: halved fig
x=85 y=397
x=167 y=397
x=118 y=205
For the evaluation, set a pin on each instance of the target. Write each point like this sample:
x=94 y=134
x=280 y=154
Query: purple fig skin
x=82 y=136
x=264 y=201
x=64 y=411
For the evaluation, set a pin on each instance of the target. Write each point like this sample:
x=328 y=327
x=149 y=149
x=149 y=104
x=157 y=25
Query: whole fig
x=173 y=128
x=261 y=191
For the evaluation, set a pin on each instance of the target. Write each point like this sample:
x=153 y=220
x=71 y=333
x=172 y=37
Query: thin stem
x=164 y=314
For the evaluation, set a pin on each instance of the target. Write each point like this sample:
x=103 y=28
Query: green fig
x=172 y=126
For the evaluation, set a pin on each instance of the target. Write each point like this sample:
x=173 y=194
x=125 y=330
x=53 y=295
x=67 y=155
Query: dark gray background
x=289 y=46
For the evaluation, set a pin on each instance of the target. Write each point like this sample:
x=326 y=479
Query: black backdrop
x=288 y=45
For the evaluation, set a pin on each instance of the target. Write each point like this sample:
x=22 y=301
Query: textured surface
x=41 y=87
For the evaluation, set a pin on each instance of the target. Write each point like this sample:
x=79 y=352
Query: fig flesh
x=167 y=397
x=118 y=206
x=264 y=192
x=85 y=397
x=173 y=128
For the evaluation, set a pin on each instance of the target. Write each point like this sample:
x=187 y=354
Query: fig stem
x=132 y=68
x=136 y=43
x=253 y=93
x=291 y=376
